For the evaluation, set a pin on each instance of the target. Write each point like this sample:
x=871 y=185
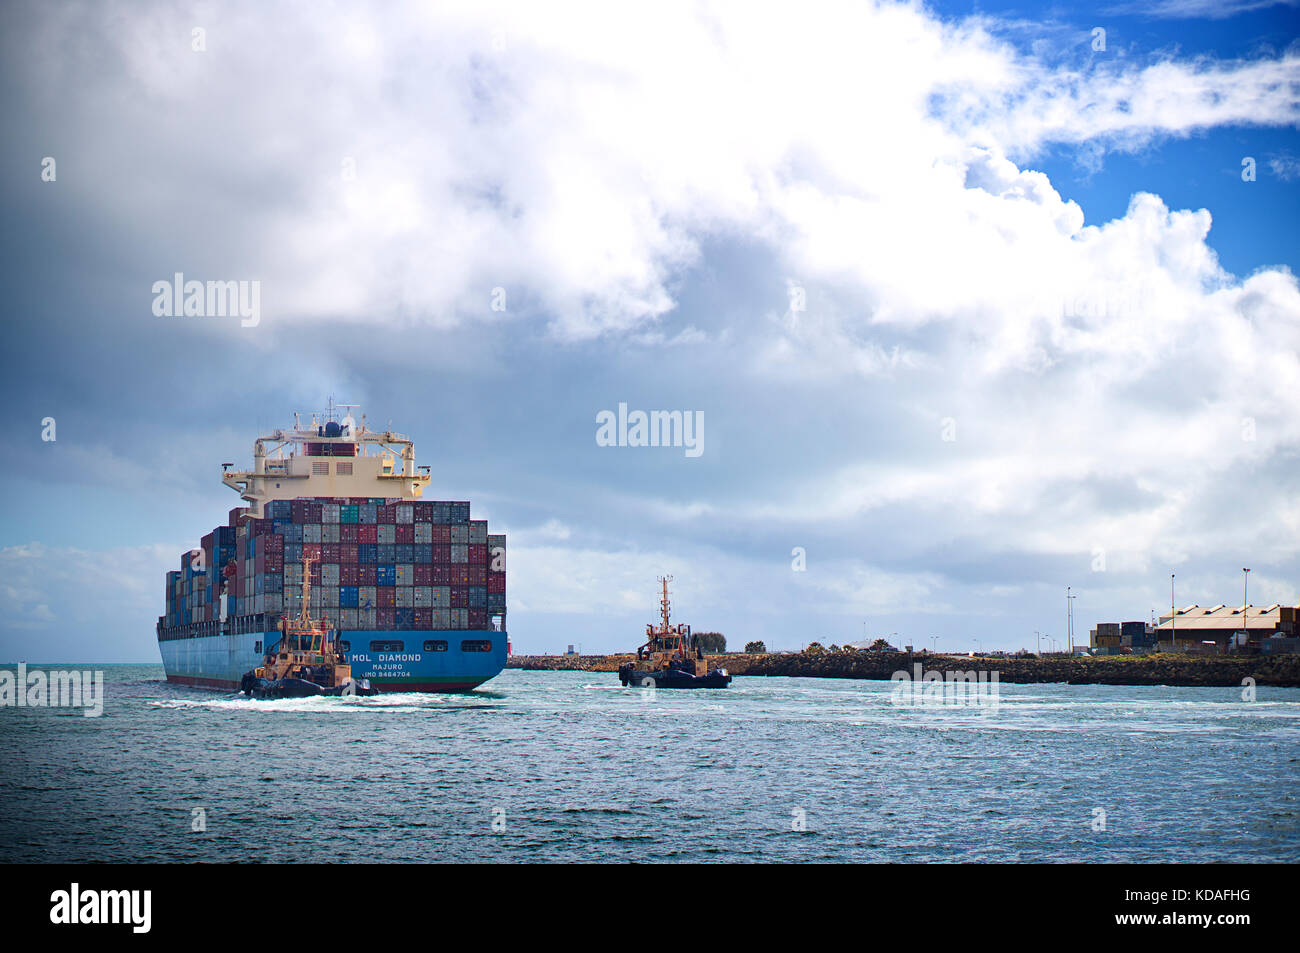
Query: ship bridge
x=328 y=457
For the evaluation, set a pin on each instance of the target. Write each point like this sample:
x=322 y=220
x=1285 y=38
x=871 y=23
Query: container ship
x=415 y=589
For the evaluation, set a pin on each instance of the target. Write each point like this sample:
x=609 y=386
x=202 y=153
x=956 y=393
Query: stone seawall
x=1215 y=671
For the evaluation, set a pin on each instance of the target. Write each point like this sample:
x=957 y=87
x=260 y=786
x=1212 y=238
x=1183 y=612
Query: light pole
x=934 y=641
x=1173 y=617
x=1038 y=641
x=1245 y=603
x=1068 y=621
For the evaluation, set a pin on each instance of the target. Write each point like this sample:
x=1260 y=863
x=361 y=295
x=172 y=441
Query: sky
x=977 y=303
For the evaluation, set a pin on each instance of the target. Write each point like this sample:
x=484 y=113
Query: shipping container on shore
x=380 y=564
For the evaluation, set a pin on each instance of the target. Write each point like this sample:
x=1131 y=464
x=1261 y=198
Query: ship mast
x=304 y=616
x=663 y=602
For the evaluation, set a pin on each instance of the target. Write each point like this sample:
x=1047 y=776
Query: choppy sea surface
x=569 y=766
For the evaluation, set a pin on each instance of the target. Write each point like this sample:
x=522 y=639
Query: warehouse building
x=1270 y=629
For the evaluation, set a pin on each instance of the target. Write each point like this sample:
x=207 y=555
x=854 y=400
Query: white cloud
x=63 y=604
x=585 y=159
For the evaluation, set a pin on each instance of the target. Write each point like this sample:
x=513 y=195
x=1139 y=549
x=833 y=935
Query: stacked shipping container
x=379 y=564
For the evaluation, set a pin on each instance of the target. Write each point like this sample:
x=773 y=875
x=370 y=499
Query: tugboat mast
x=663 y=603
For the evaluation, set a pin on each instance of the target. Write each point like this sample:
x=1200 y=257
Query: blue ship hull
x=428 y=661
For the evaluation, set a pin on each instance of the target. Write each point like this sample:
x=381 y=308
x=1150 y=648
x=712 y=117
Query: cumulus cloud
x=1039 y=387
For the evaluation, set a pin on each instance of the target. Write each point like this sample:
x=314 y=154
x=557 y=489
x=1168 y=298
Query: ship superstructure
x=415 y=588
x=336 y=458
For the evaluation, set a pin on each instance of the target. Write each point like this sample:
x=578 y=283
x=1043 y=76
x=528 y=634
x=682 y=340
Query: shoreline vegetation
x=1164 y=669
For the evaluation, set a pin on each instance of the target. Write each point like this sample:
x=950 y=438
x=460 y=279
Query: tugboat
x=670 y=657
x=306 y=660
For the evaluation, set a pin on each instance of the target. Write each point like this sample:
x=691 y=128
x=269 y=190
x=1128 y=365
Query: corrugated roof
x=1224 y=617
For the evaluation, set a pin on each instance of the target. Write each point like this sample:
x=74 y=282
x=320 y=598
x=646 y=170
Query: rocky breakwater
x=1186 y=670
x=569 y=663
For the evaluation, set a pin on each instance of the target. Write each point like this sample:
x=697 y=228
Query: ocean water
x=568 y=766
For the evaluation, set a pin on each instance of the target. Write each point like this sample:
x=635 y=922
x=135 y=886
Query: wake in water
x=395 y=703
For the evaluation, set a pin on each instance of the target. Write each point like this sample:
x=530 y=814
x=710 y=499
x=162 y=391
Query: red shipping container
x=298 y=512
x=478 y=554
x=329 y=552
x=347 y=552
x=386 y=596
x=477 y=575
x=348 y=575
x=441 y=575
x=405 y=533
x=387 y=513
x=441 y=533
x=312 y=550
x=348 y=533
x=478 y=619
x=441 y=554
x=367 y=574
x=459 y=576
x=273 y=543
x=275 y=562
x=496 y=582
x=423 y=512
x=423 y=574
x=424 y=618
x=367 y=533
x=385 y=618
x=315 y=511
x=459 y=597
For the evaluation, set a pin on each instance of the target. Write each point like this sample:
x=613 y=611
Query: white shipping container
x=424 y=532
x=329 y=513
x=387 y=534
x=405 y=513
x=442 y=597
x=329 y=574
x=405 y=574
x=405 y=596
x=423 y=596
x=459 y=532
x=459 y=553
x=329 y=533
x=311 y=533
x=366 y=597
x=366 y=619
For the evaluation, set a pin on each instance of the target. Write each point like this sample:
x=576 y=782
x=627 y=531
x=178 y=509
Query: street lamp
x=1245 y=603
x=1038 y=641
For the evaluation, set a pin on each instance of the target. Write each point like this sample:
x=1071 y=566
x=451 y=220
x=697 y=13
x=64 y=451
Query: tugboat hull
x=256 y=687
x=675 y=679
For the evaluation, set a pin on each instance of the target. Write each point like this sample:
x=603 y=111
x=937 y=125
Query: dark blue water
x=567 y=766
